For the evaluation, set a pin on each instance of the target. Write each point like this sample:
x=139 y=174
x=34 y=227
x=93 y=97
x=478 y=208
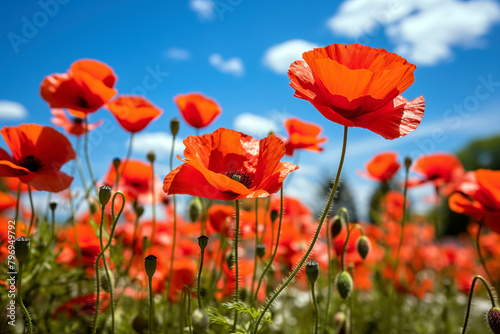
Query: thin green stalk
x=20 y=298
x=17 y=202
x=349 y=229
x=316 y=313
x=185 y=289
x=329 y=275
x=108 y=276
x=469 y=302
x=481 y=258
x=75 y=232
x=315 y=237
x=134 y=244
x=254 y=276
x=87 y=156
x=154 y=202
x=237 y=277
x=271 y=259
x=129 y=154
x=53 y=229
x=32 y=211
x=151 y=304
x=199 y=277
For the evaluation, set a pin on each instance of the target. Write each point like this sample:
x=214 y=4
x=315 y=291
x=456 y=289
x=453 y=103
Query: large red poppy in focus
x=480 y=198
x=86 y=87
x=38 y=153
x=229 y=165
x=358 y=86
x=302 y=135
x=197 y=110
x=133 y=113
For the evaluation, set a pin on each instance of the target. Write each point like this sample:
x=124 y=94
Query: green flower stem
x=75 y=232
x=186 y=295
x=20 y=298
x=151 y=311
x=17 y=202
x=271 y=259
x=481 y=258
x=237 y=277
x=154 y=203
x=134 y=244
x=108 y=276
x=316 y=313
x=199 y=277
x=315 y=237
x=349 y=229
x=329 y=276
x=87 y=156
x=32 y=211
x=254 y=276
x=127 y=157
x=101 y=254
x=403 y=220
x=469 y=302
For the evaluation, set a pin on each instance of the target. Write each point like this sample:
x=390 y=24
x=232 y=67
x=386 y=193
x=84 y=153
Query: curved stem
x=478 y=247
x=108 y=276
x=271 y=259
x=87 y=156
x=329 y=275
x=315 y=237
x=32 y=211
x=199 y=277
x=17 y=202
x=237 y=277
x=20 y=298
x=403 y=220
x=316 y=314
x=254 y=276
x=346 y=214
x=469 y=302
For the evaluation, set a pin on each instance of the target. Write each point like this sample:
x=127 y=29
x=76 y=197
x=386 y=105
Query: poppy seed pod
x=344 y=284
x=312 y=271
x=53 y=206
x=200 y=321
x=150 y=265
x=104 y=195
x=195 y=208
x=140 y=323
x=363 y=246
x=202 y=242
x=494 y=320
x=174 y=126
x=337 y=225
x=22 y=248
x=274 y=215
x=116 y=162
x=408 y=162
x=151 y=156
x=261 y=250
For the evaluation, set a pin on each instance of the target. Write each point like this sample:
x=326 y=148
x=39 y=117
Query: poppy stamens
x=241 y=177
x=31 y=163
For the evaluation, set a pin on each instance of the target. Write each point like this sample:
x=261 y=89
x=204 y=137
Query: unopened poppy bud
x=340 y=321
x=140 y=323
x=92 y=208
x=194 y=209
x=151 y=156
x=230 y=260
x=202 y=242
x=104 y=195
x=261 y=250
x=53 y=206
x=274 y=215
x=22 y=248
x=363 y=246
x=150 y=265
x=174 y=126
x=336 y=226
x=312 y=270
x=105 y=283
x=139 y=210
x=116 y=162
x=408 y=162
x=145 y=243
x=200 y=321
x=344 y=284
x=494 y=320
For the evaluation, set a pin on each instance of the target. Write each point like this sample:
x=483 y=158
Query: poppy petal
x=52 y=180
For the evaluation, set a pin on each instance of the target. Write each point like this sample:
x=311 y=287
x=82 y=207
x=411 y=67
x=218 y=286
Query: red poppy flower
x=75 y=126
x=82 y=305
x=197 y=109
x=382 y=167
x=302 y=135
x=357 y=86
x=38 y=152
x=440 y=169
x=7 y=201
x=480 y=199
x=229 y=165
x=133 y=113
x=86 y=87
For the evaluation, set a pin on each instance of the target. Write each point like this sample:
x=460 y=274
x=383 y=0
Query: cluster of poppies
x=352 y=85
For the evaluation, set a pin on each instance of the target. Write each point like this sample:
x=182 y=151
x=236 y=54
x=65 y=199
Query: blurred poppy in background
x=133 y=113
x=382 y=167
x=74 y=126
x=302 y=135
x=197 y=110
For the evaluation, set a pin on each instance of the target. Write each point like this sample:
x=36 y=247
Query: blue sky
x=237 y=52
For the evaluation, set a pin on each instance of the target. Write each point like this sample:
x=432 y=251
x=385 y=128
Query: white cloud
x=158 y=142
x=178 y=54
x=279 y=57
x=204 y=9
x=232 y=66
x=424 y=31
x=12 y=110
x=254 y=125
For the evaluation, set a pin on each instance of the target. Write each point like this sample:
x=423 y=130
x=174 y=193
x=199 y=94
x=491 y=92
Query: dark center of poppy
x=77 y=120
x=241 y=177
x=31 y=163
x=82 y=102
